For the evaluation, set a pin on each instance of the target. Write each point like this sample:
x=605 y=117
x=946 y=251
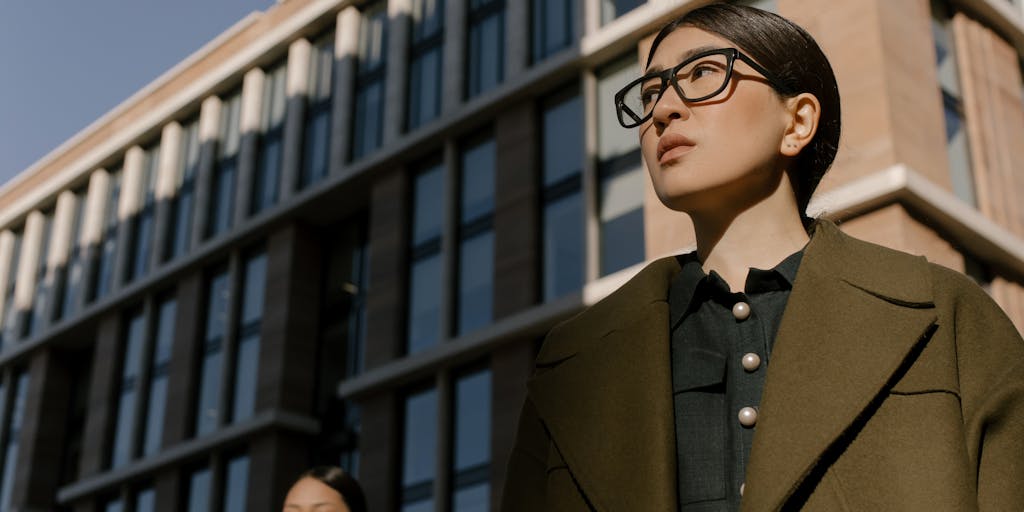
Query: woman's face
x=310 y=494
x=720 y=153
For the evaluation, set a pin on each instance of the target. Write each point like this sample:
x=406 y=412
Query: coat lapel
x=607 y=401
x=857 y=314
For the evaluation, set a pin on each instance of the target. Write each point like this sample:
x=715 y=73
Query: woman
x=847 y=376
x=325 y=489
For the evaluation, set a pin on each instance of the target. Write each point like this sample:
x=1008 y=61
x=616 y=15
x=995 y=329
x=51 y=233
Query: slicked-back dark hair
x=341 y=481
x=794 y=59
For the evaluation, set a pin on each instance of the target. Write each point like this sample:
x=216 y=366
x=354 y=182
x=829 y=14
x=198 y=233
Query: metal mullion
x=228 y=342
x=216 y=496
x=443 y=474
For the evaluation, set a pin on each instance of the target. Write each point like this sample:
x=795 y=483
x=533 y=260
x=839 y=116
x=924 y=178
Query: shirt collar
x=692 y=279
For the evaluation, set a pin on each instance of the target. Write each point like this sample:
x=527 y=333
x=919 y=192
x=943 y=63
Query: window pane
x=145 y=501
x=236 y=484
x=476 y=282
x=553 y=22
x=158 y=377
x=199 y=491
x=486 y=53
x=113 y=506
x=135 y=332
x=622 y=222
x=472 y=421
x=475 y=498
x=611 y=9
x=70 y=279
x=478 y=163
x=425 y=87
x=37 y=316
x=208 y=404
x=180 y=225
x=428 y=205
x=424 y=303
x=245 y=378
x=420 y=438
x=252 y=296
x=427 y=19
x=368 y=116
x=10 y=452
x=563 y=246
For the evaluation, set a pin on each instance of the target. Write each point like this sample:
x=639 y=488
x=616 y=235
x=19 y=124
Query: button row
x=748 y=417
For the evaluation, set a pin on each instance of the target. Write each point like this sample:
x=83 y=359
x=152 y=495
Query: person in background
x=325 y=489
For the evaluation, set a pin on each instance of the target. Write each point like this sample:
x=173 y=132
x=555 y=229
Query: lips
x=673 y=145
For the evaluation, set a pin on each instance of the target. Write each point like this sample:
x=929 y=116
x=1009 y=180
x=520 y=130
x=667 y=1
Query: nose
x=670 y=106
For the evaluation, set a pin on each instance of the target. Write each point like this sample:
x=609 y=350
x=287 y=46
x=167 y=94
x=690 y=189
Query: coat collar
x=603 y=380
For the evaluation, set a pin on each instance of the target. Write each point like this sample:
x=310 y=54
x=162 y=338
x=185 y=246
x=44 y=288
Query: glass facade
x=123 y=440
x=425 y=62
x=222 y=200
x=207 y=417
x=620 y=175
x=562 y=217
x=141 y=238
x=368 y=116
x=103 y=270
x=160 y=361
x=248 y=347
x=15 y=415
x=271 y=140
x=200 y=488
x=316 y=151
x=145 y=500
x=179 y=227
x=475 y=290
x=611 y=9
x=419 y=453
x=485 y=60
x=10 y=312
x=957 y=147
x=424 y=321
x=35 y=319
x=553 y=26
x=236 y=484
x=471 y=443
x=71 y=275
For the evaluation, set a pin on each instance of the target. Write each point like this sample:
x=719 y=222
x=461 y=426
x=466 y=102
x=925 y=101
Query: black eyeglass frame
x=668 y=76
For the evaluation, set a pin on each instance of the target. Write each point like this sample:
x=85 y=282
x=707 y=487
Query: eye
x=649 y=94
x=704 y=71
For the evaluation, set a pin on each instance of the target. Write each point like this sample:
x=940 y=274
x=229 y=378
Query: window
x=141 y=238
x=553 y=24
x=268 y=158
x=367 y=129
x=223 y=187
x=957 y=148
x=486 y=60
x=123 y=440
x=236 y=483
x=208 y=403
x=476 y=236
x=35 y=319
x=199 y=489
x=70 y=276
x=160 y=360
x=425 y=62
x=419 y=454
x=179 y=227
x=9 y=444
x=317 y=150
x=766 y=5
x=145 y=500
x=611 y=9
x=620 y=175
x=344 y=306
x=425 y=261
x=103 y=271
x=10 y=313
x=562 y=156
x=248 y=349
x=244 y=330
x=79 y=366
x=113 y=505
x=471 y=443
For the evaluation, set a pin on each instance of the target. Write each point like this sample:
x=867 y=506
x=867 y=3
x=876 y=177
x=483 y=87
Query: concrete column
x=517 y=212
x=517 y=38
x=288 y=331
x=346 y=51
x=183 y=370
x=167 y=174
x=92 y=229
x=511 y=365
x=592 y=222
x=99 y=416
x=449 y=239
x=275 y=459
x=396 y=78
x=380 y=450
x=25 y=285
x=42 y=434
x=209 y=128
x=296 y=94
x=388 y=250
x=129 y=204
x=249 y=126
x=454 y=56
x=60 y=247
x=168 y=485
x=591 y=16
x=7 y=274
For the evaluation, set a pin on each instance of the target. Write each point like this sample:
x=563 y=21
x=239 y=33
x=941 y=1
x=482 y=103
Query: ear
x=802 y=114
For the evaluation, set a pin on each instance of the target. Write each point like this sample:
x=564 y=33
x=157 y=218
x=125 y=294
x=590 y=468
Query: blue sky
x=65 y=63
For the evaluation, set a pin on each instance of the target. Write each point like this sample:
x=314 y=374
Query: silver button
x=741 y=310
x=748 y=416
x=751 y=361
x=742 y=486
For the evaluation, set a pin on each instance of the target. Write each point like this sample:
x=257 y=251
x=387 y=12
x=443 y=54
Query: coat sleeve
x=526 y=480
x=990 y=359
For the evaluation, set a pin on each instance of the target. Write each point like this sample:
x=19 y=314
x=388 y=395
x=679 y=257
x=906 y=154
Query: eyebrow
x=685 y=55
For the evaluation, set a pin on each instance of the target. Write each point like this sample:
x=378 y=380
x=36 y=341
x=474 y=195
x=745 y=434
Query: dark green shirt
x=719 y=358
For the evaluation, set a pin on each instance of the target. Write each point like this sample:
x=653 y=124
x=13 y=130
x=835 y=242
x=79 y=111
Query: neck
x=759 y=236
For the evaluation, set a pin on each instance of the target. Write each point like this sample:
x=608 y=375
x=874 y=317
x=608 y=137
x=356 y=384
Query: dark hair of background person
x=341 y=481
x=797 y=63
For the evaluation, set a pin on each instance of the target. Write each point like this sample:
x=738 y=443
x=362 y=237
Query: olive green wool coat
x=894 y=384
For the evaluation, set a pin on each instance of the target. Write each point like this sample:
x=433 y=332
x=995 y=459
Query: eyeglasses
x=697 y=78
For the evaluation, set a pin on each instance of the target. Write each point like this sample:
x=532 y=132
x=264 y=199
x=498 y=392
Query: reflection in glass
x=419 y=453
